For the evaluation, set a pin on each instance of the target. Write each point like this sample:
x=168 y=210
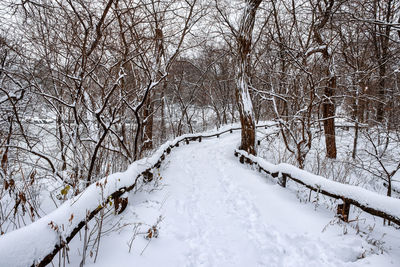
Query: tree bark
x=163 y=126
x=328 y=111
x=147 y=134
x=245 y=106
x=328 y=105
x=148 y=111
x=381 y=38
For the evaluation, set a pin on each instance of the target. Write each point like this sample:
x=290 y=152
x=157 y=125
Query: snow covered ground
x=216 y=212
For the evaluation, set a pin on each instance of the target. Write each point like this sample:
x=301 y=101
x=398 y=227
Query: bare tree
x=243 y=36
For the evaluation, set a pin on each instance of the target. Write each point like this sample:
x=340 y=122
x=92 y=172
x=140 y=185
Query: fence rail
x=373 y=203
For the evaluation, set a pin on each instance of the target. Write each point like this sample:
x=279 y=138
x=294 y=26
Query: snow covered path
x=220 y=213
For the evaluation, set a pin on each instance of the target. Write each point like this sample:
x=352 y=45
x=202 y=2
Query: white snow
x=317 y=49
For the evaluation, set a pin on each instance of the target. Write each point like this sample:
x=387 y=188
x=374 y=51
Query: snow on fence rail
x=37 y=244
x=373 y=203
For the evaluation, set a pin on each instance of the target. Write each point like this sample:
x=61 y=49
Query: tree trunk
x=381 y=92
x=328 y=105
x=245 y=106
x=381 y=39
x=4 y=159
x=147 y=134
x=389 y=188
x=328 y=111
x=148 y=111
x=163 y=125
x=61 y=140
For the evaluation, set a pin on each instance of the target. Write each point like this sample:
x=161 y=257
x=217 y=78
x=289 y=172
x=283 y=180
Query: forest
x=88 y=88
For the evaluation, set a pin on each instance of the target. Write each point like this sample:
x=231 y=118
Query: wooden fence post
x=120 y=204
x=147 y=176
x=282 y=179
x=158 y=165
x=343 y=210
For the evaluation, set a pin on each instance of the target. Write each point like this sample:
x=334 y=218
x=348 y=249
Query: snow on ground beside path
x=217 y=212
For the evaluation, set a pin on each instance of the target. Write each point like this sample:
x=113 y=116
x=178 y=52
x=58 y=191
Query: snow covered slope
x=217 y=212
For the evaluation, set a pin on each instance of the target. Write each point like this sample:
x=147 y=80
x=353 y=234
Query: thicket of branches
x=87 y=87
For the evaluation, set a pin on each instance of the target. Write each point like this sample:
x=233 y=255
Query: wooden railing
x=373 y=203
